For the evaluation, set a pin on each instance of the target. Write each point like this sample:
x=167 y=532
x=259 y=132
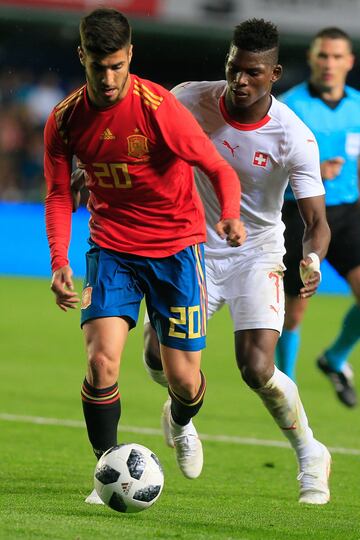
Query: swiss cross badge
x=260 y=159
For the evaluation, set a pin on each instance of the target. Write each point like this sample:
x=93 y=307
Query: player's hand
x=310 y=275
x=331 y=168
x=78 y=181
x=63 y=288
x=233 y=230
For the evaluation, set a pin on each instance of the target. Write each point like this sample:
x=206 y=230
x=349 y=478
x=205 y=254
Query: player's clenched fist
x=233 y=230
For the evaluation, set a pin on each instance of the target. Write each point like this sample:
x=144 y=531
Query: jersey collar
x=238 y=125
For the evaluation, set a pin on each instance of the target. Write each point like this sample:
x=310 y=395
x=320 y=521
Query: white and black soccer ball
x=129 y=478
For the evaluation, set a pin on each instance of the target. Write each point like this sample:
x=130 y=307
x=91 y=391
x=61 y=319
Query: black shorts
x=344 y=248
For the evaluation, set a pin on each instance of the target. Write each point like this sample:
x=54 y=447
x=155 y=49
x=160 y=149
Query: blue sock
x=337 y=354
x=287 y=351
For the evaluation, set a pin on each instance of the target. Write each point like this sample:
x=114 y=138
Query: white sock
x=178 y=429
x=281 y=398
x=156 y=375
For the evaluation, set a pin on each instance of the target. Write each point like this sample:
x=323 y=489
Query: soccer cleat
x=93 y=498
x=342 y=381
x=188 y=447
x=189 y=452
x=314 y=478
x=165 y=423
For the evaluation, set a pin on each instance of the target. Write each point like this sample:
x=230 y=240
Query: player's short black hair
x=256 y=35
x=332 y=32
x=104 y=31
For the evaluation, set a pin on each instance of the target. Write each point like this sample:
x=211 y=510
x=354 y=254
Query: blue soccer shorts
x=174 y=288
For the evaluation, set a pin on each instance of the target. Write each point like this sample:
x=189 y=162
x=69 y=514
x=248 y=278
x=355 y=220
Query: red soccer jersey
x=138 y=155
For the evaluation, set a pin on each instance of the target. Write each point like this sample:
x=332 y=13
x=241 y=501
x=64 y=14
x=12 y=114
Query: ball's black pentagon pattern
x=106 y=474
x=136 y=464
x=117 y=503
x=156 y=459
x=147 y=494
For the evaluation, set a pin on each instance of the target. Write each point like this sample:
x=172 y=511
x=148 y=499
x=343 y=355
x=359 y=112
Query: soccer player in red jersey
x=137 y=144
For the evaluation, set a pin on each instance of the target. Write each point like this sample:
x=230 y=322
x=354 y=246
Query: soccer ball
x=129 y=478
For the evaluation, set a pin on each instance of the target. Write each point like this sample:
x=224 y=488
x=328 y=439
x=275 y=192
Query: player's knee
x=102 y=368
x=186 y=388
x=256 y=371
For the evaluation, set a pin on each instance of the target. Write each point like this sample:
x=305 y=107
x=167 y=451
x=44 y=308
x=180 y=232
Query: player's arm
x=306 y=183
x=185 y=137
x=58 y=209
x=315 y=242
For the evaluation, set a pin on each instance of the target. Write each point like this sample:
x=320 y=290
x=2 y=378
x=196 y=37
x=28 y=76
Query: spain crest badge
x=86 y=297
x=138 y=146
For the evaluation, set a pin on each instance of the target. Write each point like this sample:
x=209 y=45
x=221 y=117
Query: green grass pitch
x=248 y=489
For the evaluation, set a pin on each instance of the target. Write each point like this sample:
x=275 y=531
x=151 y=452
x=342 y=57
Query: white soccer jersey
x=266 y=155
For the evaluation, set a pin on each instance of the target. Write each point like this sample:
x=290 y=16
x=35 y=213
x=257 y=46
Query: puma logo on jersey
x=107 y=135
x=231 y=148
x=260 y=159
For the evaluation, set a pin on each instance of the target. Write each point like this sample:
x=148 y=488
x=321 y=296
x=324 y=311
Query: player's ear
x=81 y=55
x=351 y=61
x=130 y=53
x=277 y=73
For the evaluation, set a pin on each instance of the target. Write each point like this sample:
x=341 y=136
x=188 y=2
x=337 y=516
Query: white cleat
x=314 y=478
x=189 y=454
x=165 y=423
x=188 y=448
x=93 y=498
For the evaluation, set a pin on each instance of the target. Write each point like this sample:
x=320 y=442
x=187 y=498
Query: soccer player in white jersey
x=269 y=146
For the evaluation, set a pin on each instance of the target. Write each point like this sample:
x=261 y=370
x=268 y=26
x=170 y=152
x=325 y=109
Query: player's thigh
x=255 y=350
x=105 y=339
x=182 y=368
x=258 y=299
x=110 y=288
x=176 y=299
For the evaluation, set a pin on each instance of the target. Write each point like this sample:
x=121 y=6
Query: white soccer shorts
x=253 y=290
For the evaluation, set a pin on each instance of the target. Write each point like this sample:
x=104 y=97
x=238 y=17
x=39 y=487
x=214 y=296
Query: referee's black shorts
x=344 y=248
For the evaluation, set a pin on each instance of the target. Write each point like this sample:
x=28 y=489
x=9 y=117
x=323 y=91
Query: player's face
x=108 y=78
x=330 y=61
x=250 y=77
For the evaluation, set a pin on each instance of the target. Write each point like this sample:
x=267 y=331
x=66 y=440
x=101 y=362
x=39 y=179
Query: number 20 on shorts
x=188 y=317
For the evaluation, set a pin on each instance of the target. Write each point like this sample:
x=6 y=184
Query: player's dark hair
x=256 y=35
x=332 y=32
x=104 y=31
